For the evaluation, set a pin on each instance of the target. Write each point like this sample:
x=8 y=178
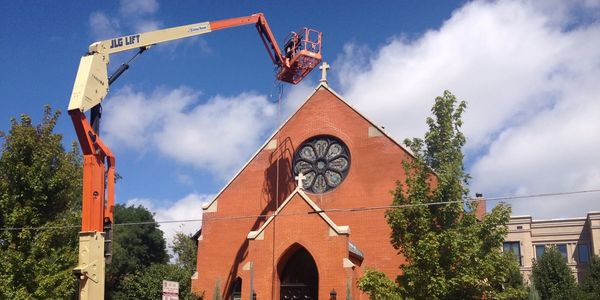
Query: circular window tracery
x=324 y=161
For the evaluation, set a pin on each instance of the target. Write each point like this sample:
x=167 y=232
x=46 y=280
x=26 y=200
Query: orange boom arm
x=301 y=54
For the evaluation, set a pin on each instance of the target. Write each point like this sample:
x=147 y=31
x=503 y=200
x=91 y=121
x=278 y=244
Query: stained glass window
x=324 y=160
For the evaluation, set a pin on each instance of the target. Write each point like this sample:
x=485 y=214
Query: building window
x=583 y=256
x=324 y=161
x=539 y=251
x=515 y=248
x=562 y=248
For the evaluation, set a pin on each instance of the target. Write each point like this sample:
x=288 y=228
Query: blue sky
x=528 y=69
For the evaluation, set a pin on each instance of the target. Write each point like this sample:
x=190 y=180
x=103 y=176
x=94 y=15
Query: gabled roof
x=345 y=230
x=322 y=85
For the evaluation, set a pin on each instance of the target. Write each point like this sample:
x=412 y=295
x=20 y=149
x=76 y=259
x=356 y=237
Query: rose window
x=325 y=162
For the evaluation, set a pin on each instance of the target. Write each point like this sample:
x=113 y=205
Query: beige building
x=578 y=239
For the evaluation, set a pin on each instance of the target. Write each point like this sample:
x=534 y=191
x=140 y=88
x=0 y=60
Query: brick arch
x=288 y=252
x=303 y=280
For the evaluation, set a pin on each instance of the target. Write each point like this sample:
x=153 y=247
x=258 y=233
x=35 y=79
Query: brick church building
x=303 y=218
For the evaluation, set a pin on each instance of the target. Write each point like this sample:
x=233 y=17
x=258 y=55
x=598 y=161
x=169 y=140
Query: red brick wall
x=376 y=165
x=289 y=231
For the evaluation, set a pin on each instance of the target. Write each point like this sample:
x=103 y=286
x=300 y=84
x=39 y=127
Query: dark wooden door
x=300 y=278
x=296 y=291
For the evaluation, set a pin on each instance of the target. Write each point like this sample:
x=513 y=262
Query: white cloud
x=184 y=179
x=556 y=151
x=481 y=48
x=138 y=14
x=146 y=25
x=528 y=70
x=138 y=7
x=184 y=209
x=218 y=135
x=531 y=84
x=102 y=26
x=294 y=97
x=134 y=16
x=132 y=116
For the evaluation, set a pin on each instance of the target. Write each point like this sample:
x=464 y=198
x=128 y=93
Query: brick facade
x=241 y=237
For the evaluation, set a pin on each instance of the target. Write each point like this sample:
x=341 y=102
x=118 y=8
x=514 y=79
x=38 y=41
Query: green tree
x=40 y=186
x=147 y=283
x=591 y=283
x=378 y=286
x=135 y=247
x=186 y=251
x=533 y=293
x=450 y=253
x=552 y=277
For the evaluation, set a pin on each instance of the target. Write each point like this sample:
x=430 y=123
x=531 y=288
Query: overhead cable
x=332 y=210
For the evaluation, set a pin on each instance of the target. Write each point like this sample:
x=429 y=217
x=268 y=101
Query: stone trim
x=334 y=228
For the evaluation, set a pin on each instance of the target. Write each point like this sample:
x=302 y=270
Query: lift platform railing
x=302 y=51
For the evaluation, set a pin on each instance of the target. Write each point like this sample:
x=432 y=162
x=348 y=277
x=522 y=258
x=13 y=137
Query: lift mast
x=302 y=53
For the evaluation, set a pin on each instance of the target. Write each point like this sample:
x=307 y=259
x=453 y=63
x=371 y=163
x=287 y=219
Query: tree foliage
x=552 y=277
x=147 y=283
x=591 y=283
x=140 y=260
x=185 y=250
x=40 y=186
x=450 y=253
x=378 y=286
x=143 y=284
x=134 y=246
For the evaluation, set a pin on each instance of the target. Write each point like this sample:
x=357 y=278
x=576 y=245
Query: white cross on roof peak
x=324 y=67
x=300 y=178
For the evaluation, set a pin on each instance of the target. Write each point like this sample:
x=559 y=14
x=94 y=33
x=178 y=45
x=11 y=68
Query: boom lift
x=302 y=54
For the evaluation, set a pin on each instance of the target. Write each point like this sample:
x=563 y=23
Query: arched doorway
x=298 y=276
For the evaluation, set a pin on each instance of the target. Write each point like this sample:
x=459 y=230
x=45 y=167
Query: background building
x=576 y=238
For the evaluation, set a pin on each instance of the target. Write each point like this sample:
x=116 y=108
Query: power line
x=114 y=225
x=157 y=222
x=39 y=228
x=332 y=210
x=542 y=195
x=471 y=199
